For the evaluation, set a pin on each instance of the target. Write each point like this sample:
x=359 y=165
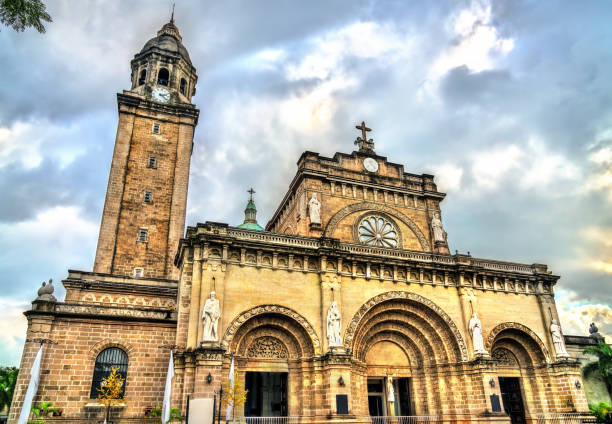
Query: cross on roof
x=364 y=144
x=251 y=192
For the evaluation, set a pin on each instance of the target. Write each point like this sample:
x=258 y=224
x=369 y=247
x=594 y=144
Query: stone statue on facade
x=594 y=333
x=475 y=327
x=211 y=316
x=557 y=337
x=333 y=325
x=45 y=292
x=314 y=209
x=390 y=390
x=438 y=231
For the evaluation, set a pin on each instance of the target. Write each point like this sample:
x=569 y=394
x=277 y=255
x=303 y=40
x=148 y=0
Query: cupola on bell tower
x=146 y=197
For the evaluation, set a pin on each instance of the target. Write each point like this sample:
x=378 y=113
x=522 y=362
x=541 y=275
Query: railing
x=272 y=420
x=406 y=419
x=565 y=418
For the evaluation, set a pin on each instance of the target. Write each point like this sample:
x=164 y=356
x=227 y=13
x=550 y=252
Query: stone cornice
x=224 y=237
x=179 y=109
x=120 y=288
x=62 y=309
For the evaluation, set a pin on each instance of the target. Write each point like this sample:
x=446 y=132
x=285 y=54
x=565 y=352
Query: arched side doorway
x=273 y=349
x=407 y=345
x=520 y=354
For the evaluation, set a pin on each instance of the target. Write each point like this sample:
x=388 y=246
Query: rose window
x=377 y=231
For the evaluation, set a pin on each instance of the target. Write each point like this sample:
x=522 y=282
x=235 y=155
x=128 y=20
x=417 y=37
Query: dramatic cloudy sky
x=508 y=104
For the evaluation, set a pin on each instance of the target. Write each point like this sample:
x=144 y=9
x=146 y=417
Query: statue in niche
x=211 y=316
x=438 y=231
x=475 y=327
x=557 y=337
x=390 y=390
x=314 y=209
x=333 y=325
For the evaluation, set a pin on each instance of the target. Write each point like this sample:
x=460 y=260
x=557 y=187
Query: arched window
x=163 y=76
x=183 y=85
x=110 y=358
x=143 y=77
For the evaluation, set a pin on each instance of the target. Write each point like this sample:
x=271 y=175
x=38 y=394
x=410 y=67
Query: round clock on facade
x=370 y=164
x=160 y=95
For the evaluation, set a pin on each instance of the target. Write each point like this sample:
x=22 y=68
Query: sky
x=508 y=104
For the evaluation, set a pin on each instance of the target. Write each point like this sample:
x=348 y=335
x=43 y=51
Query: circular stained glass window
x=377 y=231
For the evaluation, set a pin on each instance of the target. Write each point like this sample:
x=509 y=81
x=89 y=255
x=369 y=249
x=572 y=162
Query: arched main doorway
x=519 y=352
x=406 y=344
x=272 y=346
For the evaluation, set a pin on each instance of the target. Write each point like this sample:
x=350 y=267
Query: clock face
x=370 y=164
x=160 y=95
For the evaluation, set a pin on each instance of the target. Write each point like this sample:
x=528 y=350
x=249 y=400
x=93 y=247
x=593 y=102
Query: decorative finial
x=364 y=144
x=172 y=16
x=251 y=192
x=45 y=292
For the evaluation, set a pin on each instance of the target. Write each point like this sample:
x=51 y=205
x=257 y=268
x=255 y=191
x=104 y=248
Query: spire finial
x=364 y=144
x=251 y=192
x=172 y=16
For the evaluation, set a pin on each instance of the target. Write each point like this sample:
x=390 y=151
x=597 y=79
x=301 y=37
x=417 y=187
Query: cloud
x=577 y=316
x=13 y=326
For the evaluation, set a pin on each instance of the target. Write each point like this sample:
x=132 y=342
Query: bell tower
x=146 y=197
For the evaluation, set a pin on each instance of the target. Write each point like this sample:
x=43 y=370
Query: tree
x=111 y=391
x=603 y=365
x=234 y=396
x=22 y=14
x=603 y=412
x=8 y=378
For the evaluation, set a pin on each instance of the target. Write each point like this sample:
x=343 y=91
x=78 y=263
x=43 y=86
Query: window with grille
x=138 y=272
x=143 y=235
x=152 y=162
x=156 y=128
x=110 y=358
x=148 y=197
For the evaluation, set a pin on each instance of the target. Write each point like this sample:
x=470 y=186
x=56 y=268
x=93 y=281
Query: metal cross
x=363 y=129
x=251 y=192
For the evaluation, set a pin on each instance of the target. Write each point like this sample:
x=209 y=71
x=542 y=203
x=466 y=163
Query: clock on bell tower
x=146 y=197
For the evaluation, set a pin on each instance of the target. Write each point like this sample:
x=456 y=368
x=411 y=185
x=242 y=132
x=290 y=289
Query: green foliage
x=42 y=411
x=175 y=414
x=22 y=14
x=8 y=378
x=603 y=365
x=603 y=412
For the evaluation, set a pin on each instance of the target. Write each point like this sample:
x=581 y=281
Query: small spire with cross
x=364 y=144
x=251 y=193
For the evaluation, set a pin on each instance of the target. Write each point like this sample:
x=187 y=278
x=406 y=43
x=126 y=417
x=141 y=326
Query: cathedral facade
x=349 y=304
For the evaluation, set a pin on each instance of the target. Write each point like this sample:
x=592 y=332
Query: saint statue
x=475 y=327
x=333 y=325
x=314 y=208
x=390 y=390
x=557 y=337
x=436 y=225
x=211 y=316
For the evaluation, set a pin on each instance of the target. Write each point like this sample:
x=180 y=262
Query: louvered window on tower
x=143 y=77
x=143 y=235
x=110 y=358
x=163 y=76
x=148 y=197
x=152 y=162
x=156 y=128
x=183 y=85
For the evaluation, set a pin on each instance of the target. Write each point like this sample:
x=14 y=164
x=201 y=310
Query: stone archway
x=385 y=311
x=370 y=206
x=522 y=336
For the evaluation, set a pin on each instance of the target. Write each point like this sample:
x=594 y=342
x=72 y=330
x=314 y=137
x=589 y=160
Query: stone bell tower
x=146 y=197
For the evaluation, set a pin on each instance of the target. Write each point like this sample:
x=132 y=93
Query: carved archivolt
x=271 y=309
x=520 y=327
x=129 y=301
x=267 y=347
x=370 y=206
x=354 y=324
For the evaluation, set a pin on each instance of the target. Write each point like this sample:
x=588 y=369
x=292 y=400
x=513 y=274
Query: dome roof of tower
x=168 y=39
